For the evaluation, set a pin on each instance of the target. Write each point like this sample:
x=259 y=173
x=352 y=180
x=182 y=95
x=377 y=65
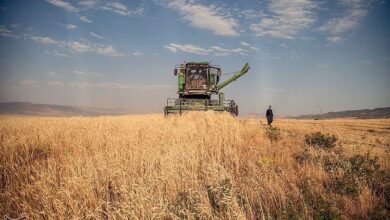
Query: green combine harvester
x=197 y=82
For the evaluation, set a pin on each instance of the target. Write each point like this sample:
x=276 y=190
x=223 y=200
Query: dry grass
x=200 y=165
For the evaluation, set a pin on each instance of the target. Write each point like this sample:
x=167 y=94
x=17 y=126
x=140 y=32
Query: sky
x=306 y=57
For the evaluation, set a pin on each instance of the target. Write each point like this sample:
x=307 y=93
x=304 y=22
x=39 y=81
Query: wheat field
x=201 y=165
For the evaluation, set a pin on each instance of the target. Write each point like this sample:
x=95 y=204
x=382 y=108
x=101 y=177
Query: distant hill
x=362 y=114
x=27 y=108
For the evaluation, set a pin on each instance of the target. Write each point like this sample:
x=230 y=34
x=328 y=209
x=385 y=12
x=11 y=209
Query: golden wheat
x=201 y=165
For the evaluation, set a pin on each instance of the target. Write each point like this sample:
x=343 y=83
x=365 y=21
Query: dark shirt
x=269 y=113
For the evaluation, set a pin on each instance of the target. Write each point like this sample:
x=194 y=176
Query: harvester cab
x=197 y=82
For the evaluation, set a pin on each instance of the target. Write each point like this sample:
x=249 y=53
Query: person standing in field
x=269 y=115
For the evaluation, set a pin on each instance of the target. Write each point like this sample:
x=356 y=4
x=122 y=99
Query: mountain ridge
x=28 y=108
x=383 y=112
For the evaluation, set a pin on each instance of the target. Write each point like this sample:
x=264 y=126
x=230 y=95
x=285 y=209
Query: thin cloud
x=70 y=26
x=249 y=14
x=80 y=47
x=137 y=53
x=172 y=49
x=285 y=19
x=354 y=12
x=58 y=53
x=89 y=47
x=85 y=19
x=335 y=39
x=87 y=3
x=189 y=48
x=63 y=4
x=5 y=32
x=96 y=35
x=122 y=9
x=224 y=51
x=246 y=44
x=84 y=73
x=203 y=17
x=106 y=50
x=215 y=50
x=48 y=40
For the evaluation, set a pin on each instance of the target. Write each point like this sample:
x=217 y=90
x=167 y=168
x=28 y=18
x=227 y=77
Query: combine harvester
x=197 y=82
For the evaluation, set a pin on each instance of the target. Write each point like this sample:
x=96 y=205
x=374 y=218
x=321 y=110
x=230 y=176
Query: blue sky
x=305 y=55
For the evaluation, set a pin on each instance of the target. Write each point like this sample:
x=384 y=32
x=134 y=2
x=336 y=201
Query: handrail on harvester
x=234 y=77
